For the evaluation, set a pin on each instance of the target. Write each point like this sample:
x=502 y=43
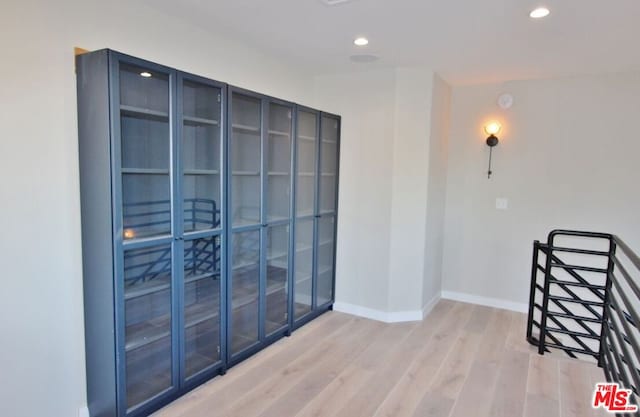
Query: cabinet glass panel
x=202 y=303
x=245 y=287
x=306 y=159
x=246 y=157
x=277 y=277
x=201 y=156
x=303 y=267
x=147 y=298
x=279 y=162
x=329 y=161
x=145 y=150
x=326 y=237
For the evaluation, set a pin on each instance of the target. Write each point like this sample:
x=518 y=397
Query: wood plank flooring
x=461 y=361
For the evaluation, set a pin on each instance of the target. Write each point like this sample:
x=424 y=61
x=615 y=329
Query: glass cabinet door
x=246 y=185
x=326 y=243
x=325 y=240
x=246 y=160
x=277 y=288
x=306 y=156
x=202 y=274
x=201 y=151
x=279 y=162
x=329 y=164
x=303 y=267
x=245 y=290
x=148 y=319
x=306 y=174
x=145 y=167
x=201 y=148
x=145 y=152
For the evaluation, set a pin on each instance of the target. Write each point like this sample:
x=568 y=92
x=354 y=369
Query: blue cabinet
x=316 y=196
x=260 y=185
x=208 y=227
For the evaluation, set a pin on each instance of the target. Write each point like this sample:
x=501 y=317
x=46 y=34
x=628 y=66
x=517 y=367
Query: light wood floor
x=461 y=361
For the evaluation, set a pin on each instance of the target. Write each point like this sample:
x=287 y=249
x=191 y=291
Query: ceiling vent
x=364 y=58
x=334 y=2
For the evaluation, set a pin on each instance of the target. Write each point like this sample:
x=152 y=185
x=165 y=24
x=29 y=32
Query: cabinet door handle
x=265 y=224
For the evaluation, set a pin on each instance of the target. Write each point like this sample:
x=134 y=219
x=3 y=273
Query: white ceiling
x=466 y=41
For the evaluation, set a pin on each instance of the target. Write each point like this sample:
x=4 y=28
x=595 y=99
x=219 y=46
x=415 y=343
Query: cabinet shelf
x=199 y=121
x=145 y=171
x=324 y=270
x=201 y=172
x=277 y=255
x=278 y=173
x=274 y=219
x=306 y=277
x=163 y=283
x=307 y=138
x=279 y=133
x=149 y=332
x=246 y=173
x=303 y=248
x=328 y=174
x=329 y=141
x=306 y=174
x=304 y=213
x=133 y=111
x=245 y=264
x=241 y=221
x=245 y=128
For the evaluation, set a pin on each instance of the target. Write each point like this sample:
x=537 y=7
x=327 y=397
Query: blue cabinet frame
x=316 y=307
x=260 y=226
x=104 y=245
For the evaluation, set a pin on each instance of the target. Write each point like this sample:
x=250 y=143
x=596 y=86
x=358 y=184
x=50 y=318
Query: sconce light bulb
x=492 y=128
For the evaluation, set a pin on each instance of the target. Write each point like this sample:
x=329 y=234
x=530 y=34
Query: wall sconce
x=492 y=129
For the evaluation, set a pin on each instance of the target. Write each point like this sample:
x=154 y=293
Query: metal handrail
x=612 y=321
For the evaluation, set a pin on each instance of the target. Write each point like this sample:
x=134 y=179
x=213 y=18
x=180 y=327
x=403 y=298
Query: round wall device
x=505 y=101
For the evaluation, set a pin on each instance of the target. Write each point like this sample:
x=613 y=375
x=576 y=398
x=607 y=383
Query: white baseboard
x=384 y=316
x=83 y=411
x=485 y=301
x=430 y=304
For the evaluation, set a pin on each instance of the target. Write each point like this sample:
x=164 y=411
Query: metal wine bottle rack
x=588 y=309
x=201 y=256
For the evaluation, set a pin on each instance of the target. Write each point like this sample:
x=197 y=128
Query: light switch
x=502 y=203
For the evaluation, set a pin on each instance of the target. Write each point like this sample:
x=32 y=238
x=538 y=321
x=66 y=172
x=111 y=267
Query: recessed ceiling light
x=539 y=13
x=145 y=74
x=361 y=41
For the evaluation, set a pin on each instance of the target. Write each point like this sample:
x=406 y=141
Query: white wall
x=568 y=158
x=409 y=197
x=366 y=103
x=388 y=204
x=436 y=196
x=42 y=348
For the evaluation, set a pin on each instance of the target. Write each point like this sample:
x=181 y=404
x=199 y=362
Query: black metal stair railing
x=583 y=301
x=620 y=350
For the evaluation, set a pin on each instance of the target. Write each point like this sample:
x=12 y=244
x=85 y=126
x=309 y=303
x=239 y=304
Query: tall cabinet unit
x=316 y=194
x=260 y=183
x=151 y=162
x=208 y=226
